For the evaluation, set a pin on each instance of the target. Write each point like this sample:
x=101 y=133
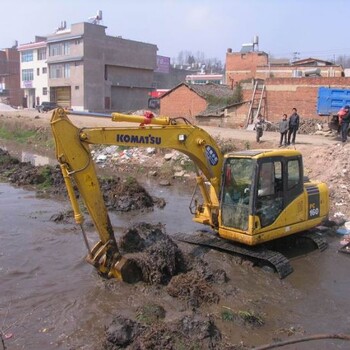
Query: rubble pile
x=306 y=126
x=332 y=166
x=311 y=126
x=123 y=158
x=105 y=156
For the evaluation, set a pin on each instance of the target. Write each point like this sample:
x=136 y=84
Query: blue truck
x=330 y=101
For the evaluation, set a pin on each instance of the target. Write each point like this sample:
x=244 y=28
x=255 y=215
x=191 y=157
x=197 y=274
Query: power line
x=330 y=52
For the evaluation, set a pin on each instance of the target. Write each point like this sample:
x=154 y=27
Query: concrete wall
x=105 y=71
x=129 y=72
x=94 y=61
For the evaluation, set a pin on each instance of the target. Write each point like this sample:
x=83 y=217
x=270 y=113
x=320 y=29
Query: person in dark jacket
x=284 y=126
x=259 y=127
x=294 y=120
x=345 y=120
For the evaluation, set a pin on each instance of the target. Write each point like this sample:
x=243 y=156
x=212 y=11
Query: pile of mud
x=189 y=332
x=181 y=276
x=119 y=194
x=155 y=253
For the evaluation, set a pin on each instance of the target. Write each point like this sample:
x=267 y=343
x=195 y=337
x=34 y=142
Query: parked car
x=46 y=106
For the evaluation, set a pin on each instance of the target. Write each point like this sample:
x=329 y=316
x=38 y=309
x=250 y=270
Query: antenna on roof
x=96 y=19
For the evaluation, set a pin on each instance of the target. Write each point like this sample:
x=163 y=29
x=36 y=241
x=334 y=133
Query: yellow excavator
x=249 y=198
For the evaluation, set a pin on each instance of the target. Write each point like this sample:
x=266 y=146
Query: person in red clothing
x=344 y=121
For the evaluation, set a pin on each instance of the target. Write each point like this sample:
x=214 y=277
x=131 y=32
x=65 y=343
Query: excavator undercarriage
x=261 y=255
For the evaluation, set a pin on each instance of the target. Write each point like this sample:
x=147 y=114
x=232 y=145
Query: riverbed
x=50 y=298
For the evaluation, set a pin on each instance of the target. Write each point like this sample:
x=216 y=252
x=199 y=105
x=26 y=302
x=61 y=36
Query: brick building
x=280 y=85
x=192 y=101
x=10 y=89
x=242 y=66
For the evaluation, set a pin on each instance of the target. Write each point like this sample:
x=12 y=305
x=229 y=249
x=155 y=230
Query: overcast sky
x=312 y=28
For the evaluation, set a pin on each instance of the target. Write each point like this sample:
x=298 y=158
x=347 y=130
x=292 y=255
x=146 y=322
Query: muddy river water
x=50 y=298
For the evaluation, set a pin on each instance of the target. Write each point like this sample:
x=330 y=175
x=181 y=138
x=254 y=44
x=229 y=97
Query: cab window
x=269 y=200
x=236 y=192
x=293 y=169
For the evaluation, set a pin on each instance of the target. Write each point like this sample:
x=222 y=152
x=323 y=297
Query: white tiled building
x=34 y=72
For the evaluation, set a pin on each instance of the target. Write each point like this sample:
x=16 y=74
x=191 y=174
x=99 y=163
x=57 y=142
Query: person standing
x=284 y=126
x=294 y=120
x=259 y=127
x=345 y=121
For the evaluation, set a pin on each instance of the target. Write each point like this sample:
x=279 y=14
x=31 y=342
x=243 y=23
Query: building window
x=27 y=74
x=67 y=70
x=57 y=71
x=59 y=49
x=66 y=50
x=45 y=91
x=42 y=54
x=38 y=71
x=44 y=70
x=27 y=56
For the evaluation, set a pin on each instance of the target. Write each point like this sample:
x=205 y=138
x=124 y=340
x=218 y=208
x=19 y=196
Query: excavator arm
x=74 y=156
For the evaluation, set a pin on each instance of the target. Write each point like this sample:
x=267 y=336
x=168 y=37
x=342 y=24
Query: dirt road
x=270 y=138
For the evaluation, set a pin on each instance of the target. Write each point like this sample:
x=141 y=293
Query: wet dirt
x=52 y=299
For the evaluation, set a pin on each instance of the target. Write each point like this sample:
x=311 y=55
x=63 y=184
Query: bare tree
x=198 y=60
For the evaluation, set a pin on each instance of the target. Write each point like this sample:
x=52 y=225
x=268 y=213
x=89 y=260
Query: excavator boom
x=73 y=153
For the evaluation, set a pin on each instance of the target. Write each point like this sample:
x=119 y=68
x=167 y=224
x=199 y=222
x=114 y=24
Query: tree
x=197 y=61
x=343 y=60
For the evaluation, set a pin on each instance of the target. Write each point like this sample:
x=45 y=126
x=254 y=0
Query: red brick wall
x=10 y=70
x=243 y=66
x=282 y=94
x=182 y=102
x=265 y=72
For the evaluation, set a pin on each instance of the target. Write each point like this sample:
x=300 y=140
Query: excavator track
x=276 y=259
x=317 y=239
x=259 y=253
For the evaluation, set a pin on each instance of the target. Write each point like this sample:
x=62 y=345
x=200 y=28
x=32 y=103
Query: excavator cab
x=264 y=196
